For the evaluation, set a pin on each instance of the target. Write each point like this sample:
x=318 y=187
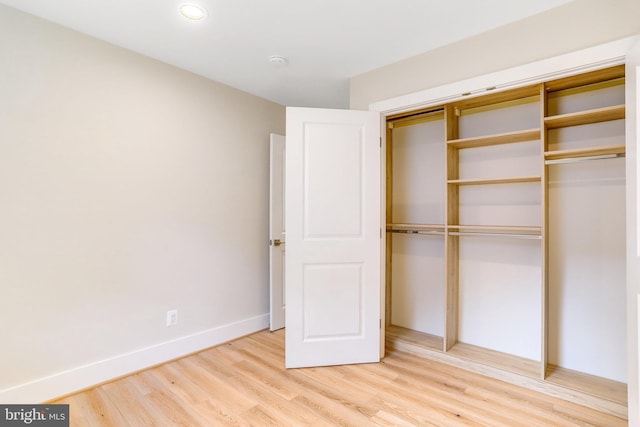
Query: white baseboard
x=82 y=377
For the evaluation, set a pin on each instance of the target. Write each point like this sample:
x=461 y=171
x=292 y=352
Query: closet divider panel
x=452 y=243
x=544 y=216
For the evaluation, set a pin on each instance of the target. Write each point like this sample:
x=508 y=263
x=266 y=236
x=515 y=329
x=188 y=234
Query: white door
x=333 y=223
x=276 y=232
x=632 y=122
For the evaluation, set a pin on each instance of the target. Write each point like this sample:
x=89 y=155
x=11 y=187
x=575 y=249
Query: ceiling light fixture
x=278 y=61
x=193 y=11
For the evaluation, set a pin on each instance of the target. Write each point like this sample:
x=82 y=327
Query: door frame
x=581 y=61
x=277 y=232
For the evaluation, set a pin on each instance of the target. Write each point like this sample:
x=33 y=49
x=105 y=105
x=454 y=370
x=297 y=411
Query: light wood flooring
x=244 y=383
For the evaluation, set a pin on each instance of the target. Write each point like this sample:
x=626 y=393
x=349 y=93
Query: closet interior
x=506 y=236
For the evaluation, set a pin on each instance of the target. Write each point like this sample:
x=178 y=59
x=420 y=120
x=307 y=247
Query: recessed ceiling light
x=193 y=11
x=278 y=61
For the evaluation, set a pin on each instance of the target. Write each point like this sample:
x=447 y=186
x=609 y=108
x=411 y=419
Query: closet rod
x=435 y=233
x=483 y=234
x=580 y=159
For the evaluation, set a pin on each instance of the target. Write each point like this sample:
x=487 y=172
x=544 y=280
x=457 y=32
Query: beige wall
x=127 y=188
x=576 y=25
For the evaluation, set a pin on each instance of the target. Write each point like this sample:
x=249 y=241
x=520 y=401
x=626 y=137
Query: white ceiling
x=326 y=41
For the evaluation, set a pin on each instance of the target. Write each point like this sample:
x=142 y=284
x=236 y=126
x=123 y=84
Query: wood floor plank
x=286 y=410
x=528 y=404
x=223 y=389
x=320 y=382
x=452 y=393
x=244 y=383
x=100 y=409
x=394 y=415
x=211 y=363
x=217 y=413
x=331 y=411
x=127 y=398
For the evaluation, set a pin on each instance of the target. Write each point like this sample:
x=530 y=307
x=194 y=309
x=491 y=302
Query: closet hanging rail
x=430 y=232
x=485 y=234
x=582 y=159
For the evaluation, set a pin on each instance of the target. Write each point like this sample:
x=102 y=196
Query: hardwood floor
x=244 y=383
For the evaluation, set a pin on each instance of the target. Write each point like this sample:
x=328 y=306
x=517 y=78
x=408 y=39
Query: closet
x=506 y=236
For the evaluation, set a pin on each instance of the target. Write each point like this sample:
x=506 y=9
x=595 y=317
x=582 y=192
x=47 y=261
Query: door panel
x=333 y=181
x=333 y=219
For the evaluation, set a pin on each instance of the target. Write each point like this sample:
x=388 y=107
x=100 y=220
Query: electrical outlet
x=172 y=317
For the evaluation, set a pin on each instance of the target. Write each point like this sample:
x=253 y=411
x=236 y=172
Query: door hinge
x=380 y=321
x=380 y=142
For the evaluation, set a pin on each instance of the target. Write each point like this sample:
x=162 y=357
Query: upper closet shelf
x=593 y=77
x=597 y=115
x=521 y=232
x=522 y=229
x=497 y=139
x=493 y=96
x=512 y=180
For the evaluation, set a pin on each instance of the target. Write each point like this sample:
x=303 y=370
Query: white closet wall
x=499 y=291
x=587 y=266
x=417 y=298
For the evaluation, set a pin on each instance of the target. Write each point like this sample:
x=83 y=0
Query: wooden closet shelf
x=589 y=88
x=497 y=139
x=597 y=115
x=398 y=333
x=508 y=362
x=499 y=231
x=505 y=229
x=597 y=76
x=513 y=180
x=525 y=236
x=416 y=119
x=585 y=152
x=492 y=96
x=604 y=388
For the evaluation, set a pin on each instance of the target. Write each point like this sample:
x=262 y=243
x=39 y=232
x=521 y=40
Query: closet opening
x=506 y=236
